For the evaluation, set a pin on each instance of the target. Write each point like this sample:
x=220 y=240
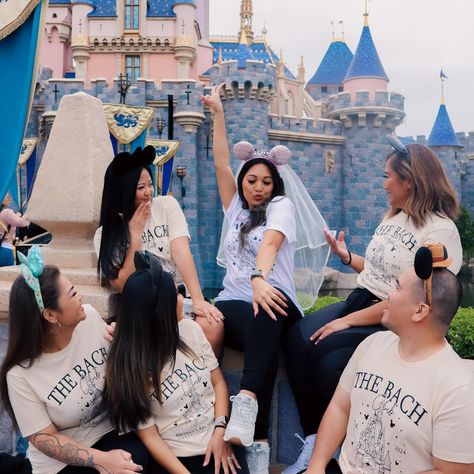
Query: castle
x=336 y=124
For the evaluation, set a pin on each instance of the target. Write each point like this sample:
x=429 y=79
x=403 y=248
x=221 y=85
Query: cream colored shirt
x=166 y=223
x=64 y=388
x=403 y=413
x=185 y=418
x=392 y=250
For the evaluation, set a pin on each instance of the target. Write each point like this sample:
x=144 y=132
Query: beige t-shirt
x=185 y=418
x=404 y=413
x=64 y=388
x=392 y=250
x=166 y=223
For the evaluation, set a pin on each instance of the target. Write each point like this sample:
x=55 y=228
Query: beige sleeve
x=453 y=426
x=97 y=241
x=177 y=225
x=30 y=412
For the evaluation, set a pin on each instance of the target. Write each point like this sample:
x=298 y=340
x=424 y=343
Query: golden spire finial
x=243 y=38
x=366 y=14
x=246 y=15
x=301 y=70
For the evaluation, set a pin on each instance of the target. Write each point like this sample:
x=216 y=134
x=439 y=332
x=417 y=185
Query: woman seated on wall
x=423 y=206
x=163 y=378
x=52 y=378
x=132 y=219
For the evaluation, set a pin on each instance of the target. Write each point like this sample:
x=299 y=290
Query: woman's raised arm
x=225 y=177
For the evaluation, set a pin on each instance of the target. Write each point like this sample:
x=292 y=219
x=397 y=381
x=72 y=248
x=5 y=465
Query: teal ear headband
x=31 y=269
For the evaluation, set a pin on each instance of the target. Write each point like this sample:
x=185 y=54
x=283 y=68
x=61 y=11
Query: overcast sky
x=414 y=39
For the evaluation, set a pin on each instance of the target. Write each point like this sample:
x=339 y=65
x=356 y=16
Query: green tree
x=465 y=226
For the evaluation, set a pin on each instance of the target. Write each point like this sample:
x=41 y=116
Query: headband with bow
x=31 y=269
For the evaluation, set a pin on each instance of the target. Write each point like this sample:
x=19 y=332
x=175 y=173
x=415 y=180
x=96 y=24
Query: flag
x=442 y=75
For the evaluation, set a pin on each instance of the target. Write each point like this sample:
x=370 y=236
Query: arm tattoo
x=68 y=453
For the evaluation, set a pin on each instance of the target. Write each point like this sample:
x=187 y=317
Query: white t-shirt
x=392 y=250
x=166 y=223
x=185 y=418
x=403 y=413
x=241 y=262
x=64 y=388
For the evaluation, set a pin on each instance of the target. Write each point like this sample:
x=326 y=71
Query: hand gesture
x=138 y=220
x=222 y=452
x=117 y=461
x=337 y=246
x=267 y=297
x=109 y=332
x=329 y=328
x=213 y=101
x=203 y=309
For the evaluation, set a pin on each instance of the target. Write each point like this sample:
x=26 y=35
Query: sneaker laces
x=244 y=407
x=306 y=452
x=257 y=458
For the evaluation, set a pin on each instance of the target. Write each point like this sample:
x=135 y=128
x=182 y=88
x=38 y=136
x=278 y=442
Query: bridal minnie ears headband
x=31 y=269
x=279 y=155
x=429 y=257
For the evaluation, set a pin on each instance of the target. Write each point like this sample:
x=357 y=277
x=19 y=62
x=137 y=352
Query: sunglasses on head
x=426 y=258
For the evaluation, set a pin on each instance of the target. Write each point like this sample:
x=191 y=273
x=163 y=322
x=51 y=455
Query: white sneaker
x=241 y=426
x=258 y=457
x=305 y=455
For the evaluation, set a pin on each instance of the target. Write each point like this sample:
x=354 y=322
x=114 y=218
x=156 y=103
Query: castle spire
x=301 y=71
x=366 y=14
x=246 y=15
x=244 y=52
x=219 y=59
x=442 y=133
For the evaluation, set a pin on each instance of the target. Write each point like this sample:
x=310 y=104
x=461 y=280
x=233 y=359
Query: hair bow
x=31 y=269
x=279 y=155
x=429 y=257
x=125 y=162
x=145 y=260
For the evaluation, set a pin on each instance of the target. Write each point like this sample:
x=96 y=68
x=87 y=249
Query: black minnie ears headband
x=397 y=144
x=429 y=257
x=125 y=162
x=146 y=261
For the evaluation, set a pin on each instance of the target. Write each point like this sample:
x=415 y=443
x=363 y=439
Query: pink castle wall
x=54 y=54
x=370 y=84
x=102 y=65
x=162 y=66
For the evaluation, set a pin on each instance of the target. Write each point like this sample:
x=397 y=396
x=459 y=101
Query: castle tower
x=366 y=71
x=445 y=144
x=246 y=15
x=244 y=53
x=368 y=115
x=185 y=47
x=329 y=76
x=80 y=36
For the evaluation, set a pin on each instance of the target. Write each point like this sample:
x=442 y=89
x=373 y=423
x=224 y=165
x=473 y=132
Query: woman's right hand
x=117 y=461
x=213 y=101
x=337 y=246
x=137 y=223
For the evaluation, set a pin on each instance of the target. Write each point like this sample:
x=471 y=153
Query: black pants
x=314 y=370
x=194 y=464
x=113 y=440
x=260 y=339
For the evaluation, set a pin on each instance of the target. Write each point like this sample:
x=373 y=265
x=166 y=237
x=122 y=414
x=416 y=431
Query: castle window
x=132 y=67
x=131 y=14
x=340 y=88
x=324 y=89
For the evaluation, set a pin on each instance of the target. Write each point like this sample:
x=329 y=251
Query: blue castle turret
x=329 y=76
x=445 y=143
x=368 y=113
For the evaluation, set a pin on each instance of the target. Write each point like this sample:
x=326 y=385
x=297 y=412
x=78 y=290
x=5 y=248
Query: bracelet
x=350 y=259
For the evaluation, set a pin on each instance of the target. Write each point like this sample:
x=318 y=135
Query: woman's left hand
x=267 y=297
x=109 y=332
x=203 y=309
x=329 y=328
x=223 y=454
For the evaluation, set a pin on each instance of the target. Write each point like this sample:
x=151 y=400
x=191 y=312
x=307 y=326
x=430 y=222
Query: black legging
x=260 y=339
x=113 y=440
x=314 y=370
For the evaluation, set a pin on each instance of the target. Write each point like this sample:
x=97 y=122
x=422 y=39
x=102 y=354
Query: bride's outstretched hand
x=213 y=101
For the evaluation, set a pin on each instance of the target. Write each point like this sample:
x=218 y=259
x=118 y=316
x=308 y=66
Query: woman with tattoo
x=52 y=378
x=164 y=380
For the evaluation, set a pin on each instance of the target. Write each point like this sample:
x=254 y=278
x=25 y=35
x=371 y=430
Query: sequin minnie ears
x=31 y=269
x=429 y=257
x=279 y=155
x=125 y=162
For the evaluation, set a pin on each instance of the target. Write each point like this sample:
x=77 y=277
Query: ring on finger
x=230 y=459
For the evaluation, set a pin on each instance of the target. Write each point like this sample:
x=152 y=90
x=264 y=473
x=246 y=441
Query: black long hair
x=146 y=339
x=27 y=326
x=257 y=216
